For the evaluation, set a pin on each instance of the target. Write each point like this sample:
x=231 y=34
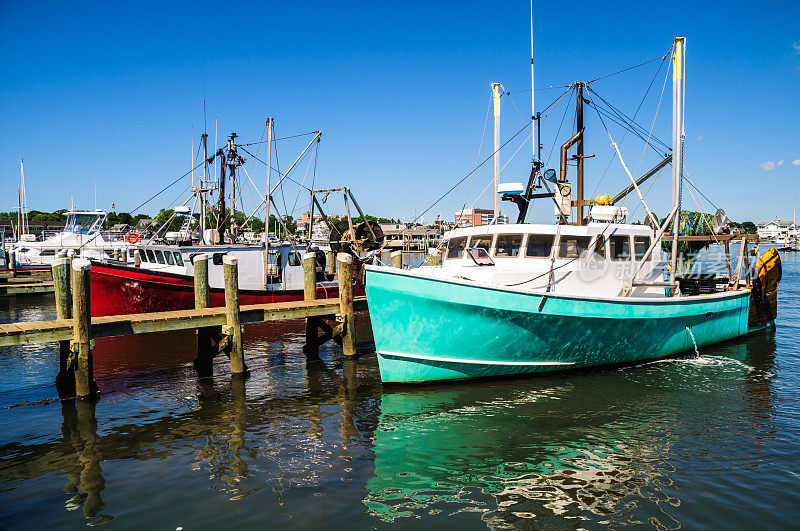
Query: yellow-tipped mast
x=678 y=81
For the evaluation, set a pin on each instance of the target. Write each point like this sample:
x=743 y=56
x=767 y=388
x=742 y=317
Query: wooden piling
x=204 y=363
x=397 y=259
x=728 y=257
x=61 y=271
x=345 y=268
x=331 y=259
x=137 y=260
x=201 y=289
x=85 y=386
x=233 y=327
x=12 y=259
x=311 y=347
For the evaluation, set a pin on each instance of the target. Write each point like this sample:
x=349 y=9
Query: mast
x=579 y=149
x=233 y=159
x=270 y=125
x=677 y=150
x=202 y=189
x=221 y=203
x=496 y=156
x=22 y=219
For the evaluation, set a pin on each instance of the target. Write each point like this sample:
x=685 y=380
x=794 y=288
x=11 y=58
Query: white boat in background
x=82 y=237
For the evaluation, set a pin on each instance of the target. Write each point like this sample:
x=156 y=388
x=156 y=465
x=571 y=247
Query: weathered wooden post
x=728 y=257
x=397 y=259
x=233 y=328
x=65 y=380
x=331 y=263
x=85 y=386
x=12 y=259
x=201 y=289
x=137 y=260
x=345 y=267
x=204 y=363
x=311 y=347
x=115 y=254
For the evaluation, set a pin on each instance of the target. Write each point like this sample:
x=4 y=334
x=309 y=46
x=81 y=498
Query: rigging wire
x=655 y=76
x=262 y=141
x=527 y=124
x=273 y=169
x=629 y=68
x=478 y=156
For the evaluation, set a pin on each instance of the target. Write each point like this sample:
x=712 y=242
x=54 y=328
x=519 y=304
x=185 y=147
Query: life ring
x=133 y=237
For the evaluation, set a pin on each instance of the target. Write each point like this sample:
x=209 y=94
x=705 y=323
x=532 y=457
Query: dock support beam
x=12 y=259
x=311 y=347
x=65 y=380
x=233 y=328
x=85 y=386
x=397 y=259
x=346 y=310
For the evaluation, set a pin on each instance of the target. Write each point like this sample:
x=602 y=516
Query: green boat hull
x=430 y=329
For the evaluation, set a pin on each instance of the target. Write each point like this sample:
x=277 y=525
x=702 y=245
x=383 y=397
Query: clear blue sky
x=108 y=93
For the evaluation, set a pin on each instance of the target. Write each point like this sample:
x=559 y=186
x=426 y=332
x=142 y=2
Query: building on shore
x=402 y=236
x=777 y=230
x=472 y=217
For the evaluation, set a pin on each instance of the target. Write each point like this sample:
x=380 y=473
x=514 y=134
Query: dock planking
x=23 y=333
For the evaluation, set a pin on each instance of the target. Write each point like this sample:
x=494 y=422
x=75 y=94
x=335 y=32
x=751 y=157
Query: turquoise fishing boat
x=528 y=298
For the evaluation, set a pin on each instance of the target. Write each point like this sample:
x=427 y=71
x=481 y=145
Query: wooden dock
x=25 y=333
x=219 y=329
x=25 y=282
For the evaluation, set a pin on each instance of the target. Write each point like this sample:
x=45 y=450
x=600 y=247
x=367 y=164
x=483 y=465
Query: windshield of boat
x=455 y=247
x=83 y=223
x=508 y=245
x=483 y=242
x=539 y=246
x=570 y=247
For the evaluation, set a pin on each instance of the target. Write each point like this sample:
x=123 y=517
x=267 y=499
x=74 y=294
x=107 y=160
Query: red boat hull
x=120 y=290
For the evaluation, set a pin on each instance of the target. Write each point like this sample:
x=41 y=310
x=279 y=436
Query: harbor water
x=710 y=439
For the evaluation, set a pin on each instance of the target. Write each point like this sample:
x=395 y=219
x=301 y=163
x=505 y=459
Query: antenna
x=533 y=107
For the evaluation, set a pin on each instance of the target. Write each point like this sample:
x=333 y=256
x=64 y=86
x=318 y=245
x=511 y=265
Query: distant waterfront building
x=777 y=230
x=303 y=221
x=472 y=217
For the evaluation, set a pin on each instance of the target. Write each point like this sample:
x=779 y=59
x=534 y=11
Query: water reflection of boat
x=561 y=450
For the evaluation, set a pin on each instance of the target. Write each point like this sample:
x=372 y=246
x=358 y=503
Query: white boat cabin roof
x=590 y=229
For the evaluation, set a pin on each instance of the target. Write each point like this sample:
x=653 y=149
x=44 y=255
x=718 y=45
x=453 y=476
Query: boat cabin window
x=168 y=257
x=216 y=258
x=600 y=246
x=142 y=255
x=132 y=254
x=178 y=258
x=640 y=246
x=481 y=242
x=571 y=247
x=455 y=247
x=619 y=247
x=539 y=246
x=294 y=259
x=508 y=245
x=150 y=256
x=159 y=256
